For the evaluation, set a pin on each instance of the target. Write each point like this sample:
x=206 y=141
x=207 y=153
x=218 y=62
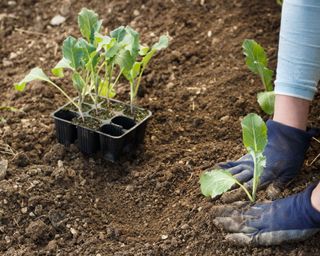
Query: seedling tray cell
x=108 y=133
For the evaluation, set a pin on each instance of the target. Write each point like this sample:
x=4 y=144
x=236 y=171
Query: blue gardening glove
x=284 y=152
x=284 y=220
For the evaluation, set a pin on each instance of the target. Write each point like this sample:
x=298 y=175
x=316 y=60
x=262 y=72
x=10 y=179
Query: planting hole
x=66 y=114
x=111 y=130
x=123 y=121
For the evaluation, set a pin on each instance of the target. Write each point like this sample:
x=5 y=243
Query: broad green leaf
x=266 y=101
x=143 y=50
x=216 y=182
x=72 y=52
x=101 y=41
x=103 y=90
x=145 y=60
x=58 y=69
x=90 y=55
x=135 y=70
x=254 y=53
x=113 y=50
x=265 y=76
x=162 y=44
x=127 y=75
x=89 y=24
x=130 y=41
x=124 y=59
x=254 y=133
x=34 y=74
x=118 y=33
x=78 y=82
x=257 y=62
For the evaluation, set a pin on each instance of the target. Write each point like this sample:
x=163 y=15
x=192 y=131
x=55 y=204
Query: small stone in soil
x=57 y=20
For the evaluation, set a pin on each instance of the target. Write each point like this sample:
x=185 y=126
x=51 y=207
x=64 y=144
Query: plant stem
x=66 y=95
x=254 y=185
x=245 y=190
x=131 y=97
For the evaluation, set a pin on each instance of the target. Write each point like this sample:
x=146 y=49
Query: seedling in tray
x=95 y=63
x=254 y=133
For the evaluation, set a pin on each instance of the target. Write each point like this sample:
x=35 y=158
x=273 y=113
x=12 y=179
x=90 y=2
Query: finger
x=227 y=165
x=244 y=176
x=228 y=210
x=239 y=238
x=233 y=196
x=237 y=169
x=234 y=224
x=282 y=236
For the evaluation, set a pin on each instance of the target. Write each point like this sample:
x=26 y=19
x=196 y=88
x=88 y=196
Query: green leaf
x=90 y=55
x=118 y=33
x=135 y=70
x=143 y=50
x=58 y=69
x=124 y=59
x=72 y=52
x=89 y=24
x=257 y=61
x=216 y=182
x=78 y=82
x=103 y=90
x=35 y=74
x=254 y=133
x=131 y=41
x=113 y=50
x=145 y=60
x=266 y=101
x=101 y=41
x=162 y=44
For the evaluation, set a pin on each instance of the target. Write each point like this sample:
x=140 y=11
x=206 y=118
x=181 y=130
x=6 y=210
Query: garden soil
x=56 y=201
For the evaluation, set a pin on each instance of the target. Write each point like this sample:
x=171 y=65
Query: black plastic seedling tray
x=115 y=136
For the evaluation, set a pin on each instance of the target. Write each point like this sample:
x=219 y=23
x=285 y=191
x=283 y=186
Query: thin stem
x=131 y=97
x=254 y=185
x=245 y=190
x=117 y=78
x=64 y=93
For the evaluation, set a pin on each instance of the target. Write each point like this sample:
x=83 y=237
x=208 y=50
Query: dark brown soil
x=137 y=115
x=113 y=106
x=84 y=107
x=102 y=113
x=87 y=122
x=55 y=201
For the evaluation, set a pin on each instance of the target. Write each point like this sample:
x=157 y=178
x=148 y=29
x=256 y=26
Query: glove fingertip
x=239 y=239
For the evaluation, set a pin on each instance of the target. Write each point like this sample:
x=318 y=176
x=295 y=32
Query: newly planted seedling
x=257 y=62
x=218 y=181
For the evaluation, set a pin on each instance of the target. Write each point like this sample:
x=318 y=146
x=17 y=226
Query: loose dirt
x=55 y=201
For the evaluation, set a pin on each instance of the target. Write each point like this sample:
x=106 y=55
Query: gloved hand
x=284 y=152
x=284 y=220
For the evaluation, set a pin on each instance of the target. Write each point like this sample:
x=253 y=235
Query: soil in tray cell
x=85 y=107
x=102 y=113
x=138 y=114
x=87 y=122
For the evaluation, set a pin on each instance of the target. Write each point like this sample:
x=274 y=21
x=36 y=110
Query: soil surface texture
x=56 y=201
